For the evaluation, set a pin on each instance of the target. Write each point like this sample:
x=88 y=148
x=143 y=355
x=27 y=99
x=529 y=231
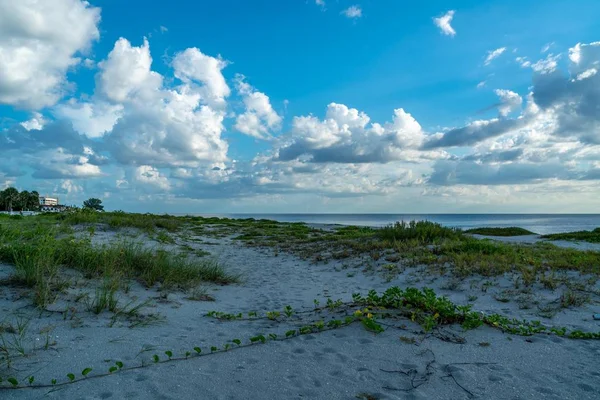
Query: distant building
x=48 y=201
x=50 y=204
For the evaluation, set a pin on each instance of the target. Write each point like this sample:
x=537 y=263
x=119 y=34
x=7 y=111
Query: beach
x=280 y=289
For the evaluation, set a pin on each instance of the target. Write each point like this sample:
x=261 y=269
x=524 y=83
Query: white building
x=48 y=201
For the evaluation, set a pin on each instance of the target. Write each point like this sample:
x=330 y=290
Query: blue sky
x=303 y=106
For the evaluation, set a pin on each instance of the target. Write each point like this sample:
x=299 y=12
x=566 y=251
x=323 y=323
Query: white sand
x=338 y=364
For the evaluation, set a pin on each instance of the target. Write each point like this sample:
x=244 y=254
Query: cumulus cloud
x=573 y=98
x=92 y=119
x=259 y=119
x=493 y=54
x=347 y=136
x=162 y=126
x=40 y=40
x=36 y=122
x=70 y=187
x=149 y=175
x=126 y=72
x=193 y=67
x=353 y=12
x=444 y=22
x=509 y=101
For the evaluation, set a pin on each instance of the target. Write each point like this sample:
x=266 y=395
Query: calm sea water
x=539 y=223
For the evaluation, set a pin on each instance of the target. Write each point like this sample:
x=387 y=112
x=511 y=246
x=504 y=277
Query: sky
x=303 y=106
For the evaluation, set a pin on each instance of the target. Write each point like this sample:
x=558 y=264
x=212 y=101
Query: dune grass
x=119 y=219
x=425 y=232
x=38 y=253
x=508 y=231
x=584 y=236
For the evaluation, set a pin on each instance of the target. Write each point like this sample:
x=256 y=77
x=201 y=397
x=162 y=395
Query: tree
x=93 y=204
x=9 y=197
x=33 y=203
x=23 y=201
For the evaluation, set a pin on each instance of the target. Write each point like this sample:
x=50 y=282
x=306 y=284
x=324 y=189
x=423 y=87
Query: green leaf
x=71 y=377
x=53 y=381
x=119 y=364
x=13 y=381
x=31 y=379
x=187 y=354
x=112 y=369
x=169 y=353
x=237 y=341
x=290 y=333
x=272 y=336
x=86 y=371
x=213 y=349
x=155 y=358
x=198 y=350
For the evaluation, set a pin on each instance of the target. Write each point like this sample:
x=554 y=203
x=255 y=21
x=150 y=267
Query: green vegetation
x=119 y=219
x=12 y=200
x=93 y=204
x=422 y=306
x=39 y=248
x=510 y=231
x=584 y=236
x=424 y=232
x=408 y=244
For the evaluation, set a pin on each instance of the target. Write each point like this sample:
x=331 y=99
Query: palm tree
x=11 y=197
x=23 y=201
x=34 y=201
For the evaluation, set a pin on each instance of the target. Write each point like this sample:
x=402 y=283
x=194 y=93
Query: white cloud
x=588 y=73
x=493 y=54
x=546 y=65
x=39 y=42
x=92 y=119
x=179 y=126
x=126 y=72
x=347 y=136
x=509 y=101
x=148 y=175
x=69 y=186
x=192 y=66
x=36 y=122
x=353 y=12
x=443 y=23
x=481 y=84
x=320 y=3
x=523 y=62
x=259 y=118
x=163 y=29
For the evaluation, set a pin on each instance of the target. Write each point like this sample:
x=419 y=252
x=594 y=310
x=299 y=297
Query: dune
x=350 y=362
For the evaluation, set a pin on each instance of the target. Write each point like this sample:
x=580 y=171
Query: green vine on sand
x=421 y=306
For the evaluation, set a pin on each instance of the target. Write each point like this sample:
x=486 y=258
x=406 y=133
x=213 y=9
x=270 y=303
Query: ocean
x=539 y=223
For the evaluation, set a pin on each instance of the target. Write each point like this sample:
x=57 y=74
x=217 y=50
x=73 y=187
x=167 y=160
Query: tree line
x=13 y=200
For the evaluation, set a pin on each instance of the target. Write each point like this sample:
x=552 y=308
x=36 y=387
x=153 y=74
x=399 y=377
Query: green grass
x=510 y=231
x=584 y=236
x=38 y=251
x=424 y=232
x=118 y=219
